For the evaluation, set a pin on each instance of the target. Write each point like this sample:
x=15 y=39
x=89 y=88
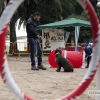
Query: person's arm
x=91 y=50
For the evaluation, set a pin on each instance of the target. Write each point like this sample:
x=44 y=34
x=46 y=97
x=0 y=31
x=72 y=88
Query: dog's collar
x=57 y=53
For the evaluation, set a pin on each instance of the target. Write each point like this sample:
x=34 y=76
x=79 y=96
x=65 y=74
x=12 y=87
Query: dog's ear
x=60 y=51
x=56 y=51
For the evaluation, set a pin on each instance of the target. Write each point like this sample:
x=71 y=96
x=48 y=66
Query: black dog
x=62 y=62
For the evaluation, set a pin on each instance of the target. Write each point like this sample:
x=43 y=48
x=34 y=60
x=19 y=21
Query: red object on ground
x=51 y=59
x=74 y=57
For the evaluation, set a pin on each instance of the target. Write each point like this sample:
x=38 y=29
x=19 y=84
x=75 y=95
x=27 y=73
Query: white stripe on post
x=77 y=29
x=83 y=60
x=65 y=53
x=97 y=96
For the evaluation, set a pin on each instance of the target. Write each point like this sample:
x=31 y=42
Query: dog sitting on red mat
x=62 y=62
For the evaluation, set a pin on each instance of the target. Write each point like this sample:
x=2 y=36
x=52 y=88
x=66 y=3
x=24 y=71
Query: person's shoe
x=41 y=67
x=87 y=67
x=34 y=68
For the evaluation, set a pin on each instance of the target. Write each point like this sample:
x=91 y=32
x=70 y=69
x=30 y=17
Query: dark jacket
x=88 y=50
x=31 y=28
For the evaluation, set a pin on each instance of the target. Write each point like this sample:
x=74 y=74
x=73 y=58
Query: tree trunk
x=13 y=35
x=12 y=31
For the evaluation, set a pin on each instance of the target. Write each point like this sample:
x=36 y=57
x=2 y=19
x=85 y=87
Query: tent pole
x=77 y=28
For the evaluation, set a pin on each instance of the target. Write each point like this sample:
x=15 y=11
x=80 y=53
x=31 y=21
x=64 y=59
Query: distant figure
x=91 y=42
x=88 y=53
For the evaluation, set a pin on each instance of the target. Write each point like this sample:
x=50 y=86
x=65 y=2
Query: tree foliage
x=51 y=11
x=2 y=6
x=85 y=35
x=79 y=9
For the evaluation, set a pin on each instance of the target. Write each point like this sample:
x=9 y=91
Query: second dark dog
x=62 y=62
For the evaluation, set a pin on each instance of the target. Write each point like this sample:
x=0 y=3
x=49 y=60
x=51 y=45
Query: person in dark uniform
x=88 y=53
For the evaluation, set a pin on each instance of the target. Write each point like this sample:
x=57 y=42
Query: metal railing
x=22 y=48
x=9 y=49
